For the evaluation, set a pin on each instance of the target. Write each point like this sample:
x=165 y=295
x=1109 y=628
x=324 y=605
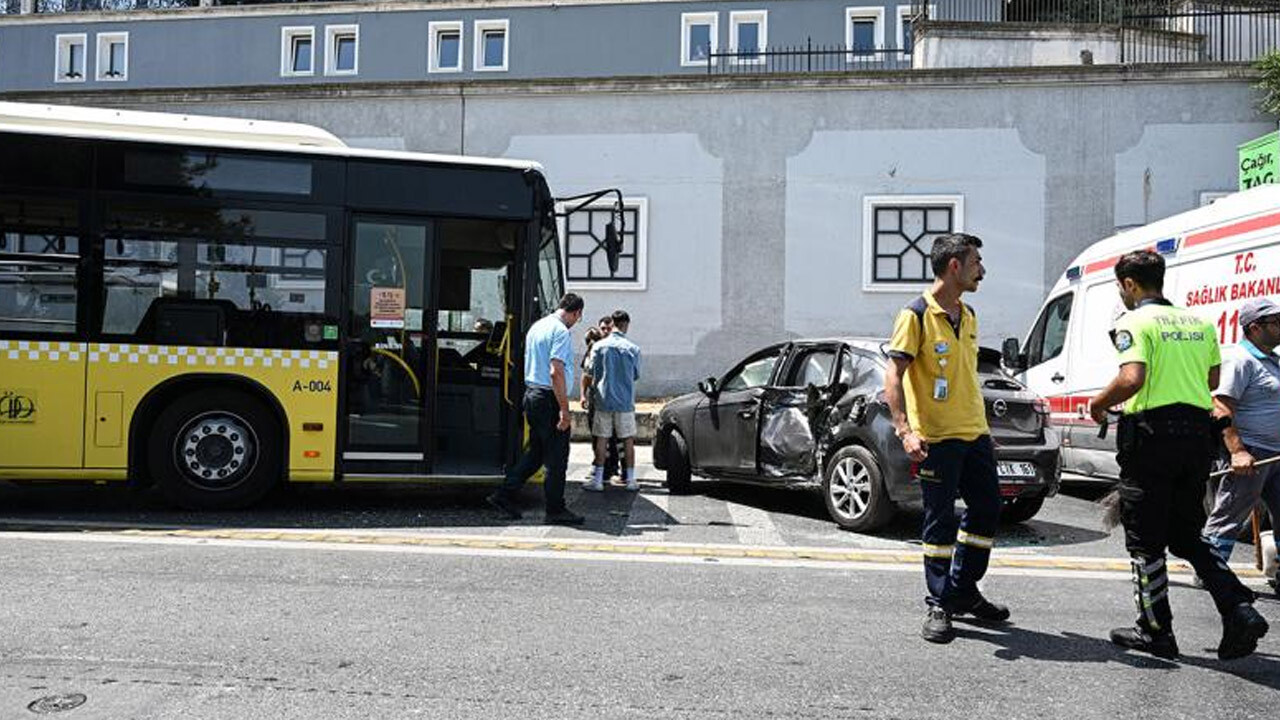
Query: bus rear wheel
x=215 y=450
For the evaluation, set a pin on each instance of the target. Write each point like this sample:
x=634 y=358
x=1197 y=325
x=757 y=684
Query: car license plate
x=1016 y=470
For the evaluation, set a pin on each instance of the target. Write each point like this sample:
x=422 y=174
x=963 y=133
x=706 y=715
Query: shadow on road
x=330 y=507
x=1016 y=643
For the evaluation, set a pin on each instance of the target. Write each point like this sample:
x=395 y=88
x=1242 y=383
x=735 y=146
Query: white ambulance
x=1217 y=257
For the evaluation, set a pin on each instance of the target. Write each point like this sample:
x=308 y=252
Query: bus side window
x=1049 y=338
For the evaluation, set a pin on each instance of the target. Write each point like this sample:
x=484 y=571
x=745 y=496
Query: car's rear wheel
x=854 y=491
x=679 y=471
x=1020 y=509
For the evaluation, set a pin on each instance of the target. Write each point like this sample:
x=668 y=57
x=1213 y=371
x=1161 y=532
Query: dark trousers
x=956 y=555
x=547 y=446
x=1162 y=486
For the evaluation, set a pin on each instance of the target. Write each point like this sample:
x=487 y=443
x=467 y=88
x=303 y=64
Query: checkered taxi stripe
x=196 y=357
x=33 y=350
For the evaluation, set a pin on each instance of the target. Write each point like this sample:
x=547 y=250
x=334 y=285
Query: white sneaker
x=593 y=485
x=633 y=486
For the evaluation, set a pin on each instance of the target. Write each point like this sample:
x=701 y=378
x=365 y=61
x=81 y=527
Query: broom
x=1111 y=506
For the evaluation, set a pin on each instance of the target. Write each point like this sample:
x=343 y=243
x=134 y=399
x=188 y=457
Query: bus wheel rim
x=216 y=450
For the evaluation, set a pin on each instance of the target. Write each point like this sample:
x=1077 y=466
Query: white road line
x=649 y=513
x=1118 y=575
x=754 y=526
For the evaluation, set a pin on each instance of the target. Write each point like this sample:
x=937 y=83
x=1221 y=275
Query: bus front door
x=389 y=335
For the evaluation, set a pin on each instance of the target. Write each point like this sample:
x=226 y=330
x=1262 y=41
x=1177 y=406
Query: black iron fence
x=67 y=6
x=807 y=58
x=1075 y=12
x=1200 y=35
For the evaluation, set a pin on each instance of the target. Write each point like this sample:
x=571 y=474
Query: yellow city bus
x=218 y=305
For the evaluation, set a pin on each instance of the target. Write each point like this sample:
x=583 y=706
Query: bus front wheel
x=215 y=450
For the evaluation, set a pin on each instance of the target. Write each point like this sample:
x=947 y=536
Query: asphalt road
x=218 y=631
x=736 y=602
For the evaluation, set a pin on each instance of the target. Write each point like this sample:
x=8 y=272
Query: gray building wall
x=228 y=47
x=755 y=187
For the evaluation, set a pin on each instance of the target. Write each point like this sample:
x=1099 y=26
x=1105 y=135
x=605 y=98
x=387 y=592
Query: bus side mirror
x=1012 y=358
x=612 y=247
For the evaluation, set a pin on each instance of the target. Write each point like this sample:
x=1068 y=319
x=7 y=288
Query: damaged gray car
x=811 y=414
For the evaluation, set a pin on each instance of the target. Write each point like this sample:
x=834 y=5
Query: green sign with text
x=1259 y=161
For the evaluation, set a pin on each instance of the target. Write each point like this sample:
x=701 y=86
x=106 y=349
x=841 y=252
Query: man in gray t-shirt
x=1248 y=393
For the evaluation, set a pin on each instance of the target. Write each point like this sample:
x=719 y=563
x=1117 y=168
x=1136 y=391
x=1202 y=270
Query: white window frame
x=61 y=45
x=477 y=40
x=331 y=35
x=434 y=30
x=630 y=202
x=869 y=205
x=863 y=12
x=687 y=21
x=287 y=37
x=1208 y=197
x=103 y=64
x=741 y=17
x=904 y=11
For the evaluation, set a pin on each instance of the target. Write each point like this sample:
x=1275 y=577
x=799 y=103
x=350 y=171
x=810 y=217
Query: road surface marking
x=754 y=526
x=905 y=559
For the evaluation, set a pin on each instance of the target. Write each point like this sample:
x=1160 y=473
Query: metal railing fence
x=807 y=58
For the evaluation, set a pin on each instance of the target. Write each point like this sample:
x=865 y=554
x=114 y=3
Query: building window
x=491 y=45
x=444 y=51
x=586 y=263
x=342 y=49
x=699 y=38
x=906 y=39
x=897 y=234
x=749 y=33
x=70 y=64
x=297 y=51
x=113 y=56
x=863 y=32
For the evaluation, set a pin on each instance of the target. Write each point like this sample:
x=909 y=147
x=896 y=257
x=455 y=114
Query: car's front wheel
x=679 y=469
x=1020 y=510
x=854 y=491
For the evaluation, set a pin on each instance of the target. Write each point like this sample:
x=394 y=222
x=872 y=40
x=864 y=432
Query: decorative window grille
x=898 y=233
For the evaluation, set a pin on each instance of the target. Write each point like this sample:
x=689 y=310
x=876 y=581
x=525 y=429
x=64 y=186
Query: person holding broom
x=1249 y=394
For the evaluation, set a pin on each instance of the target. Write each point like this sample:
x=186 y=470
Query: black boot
x=983 y=609
x=1241 y=629
x=937 y=626
x=1162 y=645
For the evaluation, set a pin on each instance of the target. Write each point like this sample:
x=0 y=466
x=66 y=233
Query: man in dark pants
x=548 y=375
x=933 y=393
x=1169 y=361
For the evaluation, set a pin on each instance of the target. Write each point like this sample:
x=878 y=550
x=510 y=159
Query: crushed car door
x=790 y=413
x=726 y=424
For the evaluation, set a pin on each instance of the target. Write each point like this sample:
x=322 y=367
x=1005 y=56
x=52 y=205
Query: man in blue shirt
x=615 y=367
x=548 y=375
x=1249 y=394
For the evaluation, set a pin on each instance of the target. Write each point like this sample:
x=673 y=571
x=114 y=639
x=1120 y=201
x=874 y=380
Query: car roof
x=868 y=344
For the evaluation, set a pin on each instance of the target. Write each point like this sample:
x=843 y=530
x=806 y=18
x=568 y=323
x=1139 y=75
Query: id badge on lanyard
x=940 y=383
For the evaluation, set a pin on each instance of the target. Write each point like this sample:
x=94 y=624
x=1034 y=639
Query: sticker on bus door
x=386 y=307
x=1216 y=287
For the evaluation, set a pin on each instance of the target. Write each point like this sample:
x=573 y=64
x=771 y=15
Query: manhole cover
x=57 y=703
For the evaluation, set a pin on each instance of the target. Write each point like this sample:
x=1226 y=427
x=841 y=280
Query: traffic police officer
x=1169 y=361
x=934 y=377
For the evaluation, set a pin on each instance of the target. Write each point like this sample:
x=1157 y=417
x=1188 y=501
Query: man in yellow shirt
x=933 y=393
x=1169 y=361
